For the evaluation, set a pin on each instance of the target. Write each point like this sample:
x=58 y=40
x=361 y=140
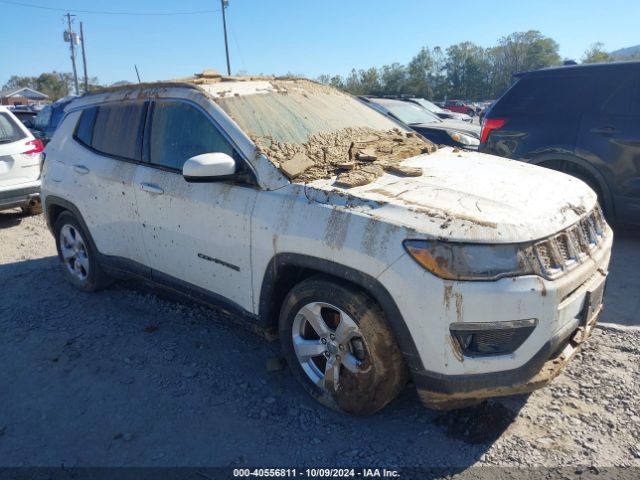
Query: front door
x=198 y=233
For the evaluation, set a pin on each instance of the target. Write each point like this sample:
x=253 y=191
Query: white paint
x=18 y=170
x=463 y=197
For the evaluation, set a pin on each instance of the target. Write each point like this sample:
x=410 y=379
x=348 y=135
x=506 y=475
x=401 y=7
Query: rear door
x=198 y=233
x=19 y=157
x=610 y=137
x=101 y=162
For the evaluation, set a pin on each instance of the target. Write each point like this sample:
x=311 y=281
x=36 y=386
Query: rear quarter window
x=84 y=129
x=9 y=130
x=113 y=130
x=607 y=91
x=544 y=95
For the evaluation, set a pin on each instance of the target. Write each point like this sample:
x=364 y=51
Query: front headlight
x=462 y=138
x=470 y=261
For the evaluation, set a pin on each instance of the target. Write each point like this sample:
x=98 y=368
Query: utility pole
x=71 y=38
x=84 y=60
x=225 y=4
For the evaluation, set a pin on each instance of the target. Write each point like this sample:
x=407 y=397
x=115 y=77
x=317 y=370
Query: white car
x=375 y=255
x=20 y=165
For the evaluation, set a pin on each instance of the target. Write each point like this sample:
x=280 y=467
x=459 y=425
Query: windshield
x=432 y=107
x=9 y=130
x=408 y=113
x=305 y=109
x=310 y=131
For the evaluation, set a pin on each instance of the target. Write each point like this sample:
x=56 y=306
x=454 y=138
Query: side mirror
x=209 y=167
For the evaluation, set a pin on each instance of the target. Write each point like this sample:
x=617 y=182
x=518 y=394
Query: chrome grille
x=567 y=249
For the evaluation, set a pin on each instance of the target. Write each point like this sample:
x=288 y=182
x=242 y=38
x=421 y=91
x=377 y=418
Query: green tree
x=596 y=54
x=420 y=73
x=465 y=67
x=440 y=83
x=522 y=51
x=394 y=79
x=55 y=84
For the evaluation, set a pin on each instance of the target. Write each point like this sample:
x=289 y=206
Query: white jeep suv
x=374 y=254
x=20 y=165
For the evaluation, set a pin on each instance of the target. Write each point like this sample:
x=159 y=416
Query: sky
x=306 y=37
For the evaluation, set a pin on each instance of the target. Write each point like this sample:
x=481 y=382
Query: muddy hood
x=468 y=196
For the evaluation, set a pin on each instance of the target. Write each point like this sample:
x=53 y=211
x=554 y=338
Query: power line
x=108 y=12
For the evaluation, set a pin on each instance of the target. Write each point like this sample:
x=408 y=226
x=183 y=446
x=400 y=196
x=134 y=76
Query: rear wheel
x=339 y=346
x=78 y=256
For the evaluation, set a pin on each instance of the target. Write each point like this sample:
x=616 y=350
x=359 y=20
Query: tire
x=78 y=255
x=366 y=359
x=31 y=210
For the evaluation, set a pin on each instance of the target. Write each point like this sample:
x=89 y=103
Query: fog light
x=492 y=338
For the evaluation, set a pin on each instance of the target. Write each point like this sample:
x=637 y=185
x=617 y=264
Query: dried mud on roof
x=356 y=155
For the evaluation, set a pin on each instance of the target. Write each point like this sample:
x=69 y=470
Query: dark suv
x=47 y=120
x=582 y=120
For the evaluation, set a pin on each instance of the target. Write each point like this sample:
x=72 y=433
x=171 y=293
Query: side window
x=118 y=129
x=179 y=131
x=552 y=94
x=84 y=130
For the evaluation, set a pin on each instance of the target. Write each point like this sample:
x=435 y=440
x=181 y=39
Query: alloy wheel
x=74 y=252
x=327 y=341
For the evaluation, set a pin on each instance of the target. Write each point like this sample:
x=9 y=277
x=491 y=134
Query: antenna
x=137 y=74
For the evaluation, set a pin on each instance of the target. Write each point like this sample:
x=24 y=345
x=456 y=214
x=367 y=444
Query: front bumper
x=446 y=377
x=20 y=197
x=441 y=392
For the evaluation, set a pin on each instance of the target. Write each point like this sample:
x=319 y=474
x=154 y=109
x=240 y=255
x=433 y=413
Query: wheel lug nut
x=341 y=347
x=323 y=340
x=332 y=336
x=338 y=358
x=327 y=354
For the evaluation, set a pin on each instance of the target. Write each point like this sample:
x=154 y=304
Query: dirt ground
x=124 y=377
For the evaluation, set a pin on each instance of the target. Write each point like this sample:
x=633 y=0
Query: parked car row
x=414 y=116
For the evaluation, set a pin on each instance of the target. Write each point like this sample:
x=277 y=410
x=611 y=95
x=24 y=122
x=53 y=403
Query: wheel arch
x=547 y=160
x=285 y=270
x=55 y=206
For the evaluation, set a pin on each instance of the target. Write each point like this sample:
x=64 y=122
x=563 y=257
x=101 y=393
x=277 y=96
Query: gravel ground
x=124 y=377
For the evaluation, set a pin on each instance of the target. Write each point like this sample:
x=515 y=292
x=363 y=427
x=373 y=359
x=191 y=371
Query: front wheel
x=339 y=346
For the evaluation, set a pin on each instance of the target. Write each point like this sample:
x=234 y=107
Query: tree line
x=54 y=84
x=464 y=70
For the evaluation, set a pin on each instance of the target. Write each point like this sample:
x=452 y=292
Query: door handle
x=151 y=188
x=608 y=130
x=81 y=169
